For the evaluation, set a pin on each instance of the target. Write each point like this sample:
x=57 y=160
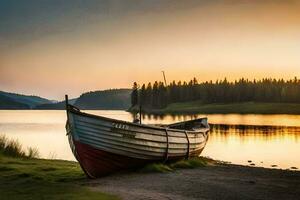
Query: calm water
x=264 y=139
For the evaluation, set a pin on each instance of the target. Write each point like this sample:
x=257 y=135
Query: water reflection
x=234 y=119
x=261 y=132
x=169 y=118
x=264 y=145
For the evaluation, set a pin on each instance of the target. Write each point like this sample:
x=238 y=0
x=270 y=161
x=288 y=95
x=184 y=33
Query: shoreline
x=216 y=180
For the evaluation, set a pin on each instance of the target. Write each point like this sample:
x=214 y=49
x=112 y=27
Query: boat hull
x=103 y=146
x=97 y=163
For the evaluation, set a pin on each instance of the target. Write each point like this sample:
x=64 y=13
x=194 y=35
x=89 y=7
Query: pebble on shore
x=294 y=168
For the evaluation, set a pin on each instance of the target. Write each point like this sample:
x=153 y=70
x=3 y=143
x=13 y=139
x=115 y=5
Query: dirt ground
x=212 y=182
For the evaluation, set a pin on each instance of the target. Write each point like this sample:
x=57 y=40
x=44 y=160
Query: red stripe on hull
x=97 y=163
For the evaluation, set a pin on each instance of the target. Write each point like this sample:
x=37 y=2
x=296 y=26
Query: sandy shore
x=212 y=182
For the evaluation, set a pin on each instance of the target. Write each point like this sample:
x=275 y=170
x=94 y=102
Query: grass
x=181 y=164
x=11 y=147
x=33 y=153
x=191 y=163
x=24 y=177
x=234 y=108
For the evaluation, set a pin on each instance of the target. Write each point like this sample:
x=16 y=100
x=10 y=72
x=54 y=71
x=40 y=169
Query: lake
x=266 y=140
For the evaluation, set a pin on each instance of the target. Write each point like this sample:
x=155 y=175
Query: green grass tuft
x=33 y=153
x=13 y=148
x=189 y=164
x=181 y=164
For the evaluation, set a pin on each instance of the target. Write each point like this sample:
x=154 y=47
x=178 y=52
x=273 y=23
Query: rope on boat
x=167 y=150
x=188 y=149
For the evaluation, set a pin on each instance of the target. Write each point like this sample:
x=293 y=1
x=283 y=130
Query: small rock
x=249 y=161
x=294 y=168
x=274 y=166
x=252 y=164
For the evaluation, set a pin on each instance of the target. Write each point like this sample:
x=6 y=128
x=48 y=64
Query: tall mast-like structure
x=164 y=78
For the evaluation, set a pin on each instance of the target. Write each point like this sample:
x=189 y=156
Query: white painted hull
x=135 y=140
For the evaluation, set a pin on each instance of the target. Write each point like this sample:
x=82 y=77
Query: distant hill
x=19 y=100
x=113 y=99
x=9 y=103
x=54 y=106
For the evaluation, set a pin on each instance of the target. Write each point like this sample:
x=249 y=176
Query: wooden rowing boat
x=103 y=145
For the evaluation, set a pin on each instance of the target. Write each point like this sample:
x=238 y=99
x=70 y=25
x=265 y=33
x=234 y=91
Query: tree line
x=158 y=95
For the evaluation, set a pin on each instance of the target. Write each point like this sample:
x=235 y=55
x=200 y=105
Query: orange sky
x=52 y=52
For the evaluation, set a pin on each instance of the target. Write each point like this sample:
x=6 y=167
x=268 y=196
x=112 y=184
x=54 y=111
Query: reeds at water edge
x=13 y=148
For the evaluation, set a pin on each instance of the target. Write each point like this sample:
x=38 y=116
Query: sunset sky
x=54 y=47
